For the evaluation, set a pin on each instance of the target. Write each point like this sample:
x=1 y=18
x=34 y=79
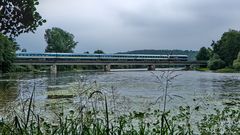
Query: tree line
x=224 y=53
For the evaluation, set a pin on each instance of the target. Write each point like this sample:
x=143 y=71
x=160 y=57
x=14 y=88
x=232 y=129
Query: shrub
x=7 y=53
x=216 y=63
x=236 y=63
x=226 y=70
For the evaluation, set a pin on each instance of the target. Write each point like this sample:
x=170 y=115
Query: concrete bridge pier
x=107 y=68
x=187 y=67
x=53 y=69
x=151 y=67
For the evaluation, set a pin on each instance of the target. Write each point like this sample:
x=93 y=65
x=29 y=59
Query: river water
x=139 y=88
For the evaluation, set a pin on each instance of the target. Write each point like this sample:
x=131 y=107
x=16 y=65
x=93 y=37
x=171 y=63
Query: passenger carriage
x=99 y=57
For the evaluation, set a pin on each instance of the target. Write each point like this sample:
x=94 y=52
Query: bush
x=226 y=70
x=7 y=53
x=236 y=63
x=215 y=63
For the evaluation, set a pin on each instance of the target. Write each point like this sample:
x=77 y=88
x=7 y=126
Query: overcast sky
x=124 y=25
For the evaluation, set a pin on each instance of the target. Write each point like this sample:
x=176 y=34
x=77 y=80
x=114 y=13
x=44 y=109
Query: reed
x=99 y=119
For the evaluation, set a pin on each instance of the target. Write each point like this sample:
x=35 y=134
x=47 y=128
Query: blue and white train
x=99 y=57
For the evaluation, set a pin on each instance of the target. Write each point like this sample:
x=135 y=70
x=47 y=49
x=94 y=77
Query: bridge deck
x=102 y=62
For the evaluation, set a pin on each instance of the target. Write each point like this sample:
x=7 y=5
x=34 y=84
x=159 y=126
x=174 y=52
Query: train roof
x=100 y=54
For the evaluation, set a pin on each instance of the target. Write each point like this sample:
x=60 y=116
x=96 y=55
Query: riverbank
x=45 y=69
x=41 y=69
x=223 y=70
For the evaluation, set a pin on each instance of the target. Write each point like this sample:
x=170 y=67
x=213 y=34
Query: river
x=138 y=88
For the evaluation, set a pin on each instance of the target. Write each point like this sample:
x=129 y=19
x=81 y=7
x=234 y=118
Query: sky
x=125 y=25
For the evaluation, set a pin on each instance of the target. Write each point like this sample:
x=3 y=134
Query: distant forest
x=191 y=54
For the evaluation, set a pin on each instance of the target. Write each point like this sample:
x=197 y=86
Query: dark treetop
x=19 y=16
x=59 y=41
x=228 y=46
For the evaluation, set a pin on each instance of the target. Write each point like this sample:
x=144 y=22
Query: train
x=99 y=57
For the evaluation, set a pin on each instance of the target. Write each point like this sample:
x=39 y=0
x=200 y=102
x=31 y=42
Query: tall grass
x=97 y=116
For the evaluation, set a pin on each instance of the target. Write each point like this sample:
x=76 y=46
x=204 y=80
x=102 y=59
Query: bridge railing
x=102 y=62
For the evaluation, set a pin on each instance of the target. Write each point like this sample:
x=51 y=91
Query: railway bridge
x=107 y=63
x=106 y=60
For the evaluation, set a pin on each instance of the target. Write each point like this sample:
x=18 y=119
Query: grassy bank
x=227 y=70
x=223 y=70
x=92 y=121
x=202 y=69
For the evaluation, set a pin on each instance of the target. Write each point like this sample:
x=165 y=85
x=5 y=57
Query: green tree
x=236 y=63
x=7 y=53
x=228 y=46
x=59 y=41
x=215 y=62
x=203 y=54
x=19 y=16
x=98 y=52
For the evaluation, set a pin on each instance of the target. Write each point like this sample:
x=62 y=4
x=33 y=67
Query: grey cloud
x=123 y=25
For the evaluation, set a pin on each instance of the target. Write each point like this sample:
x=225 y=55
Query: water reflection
x=227 y=87
x=140 y=86
x=8 y=92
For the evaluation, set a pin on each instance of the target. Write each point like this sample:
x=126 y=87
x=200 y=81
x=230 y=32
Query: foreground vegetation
x=102 y=120
x=152 y=122
x=98 y=112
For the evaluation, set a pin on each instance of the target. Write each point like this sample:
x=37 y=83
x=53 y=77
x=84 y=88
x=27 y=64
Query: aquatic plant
x=95 y=114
